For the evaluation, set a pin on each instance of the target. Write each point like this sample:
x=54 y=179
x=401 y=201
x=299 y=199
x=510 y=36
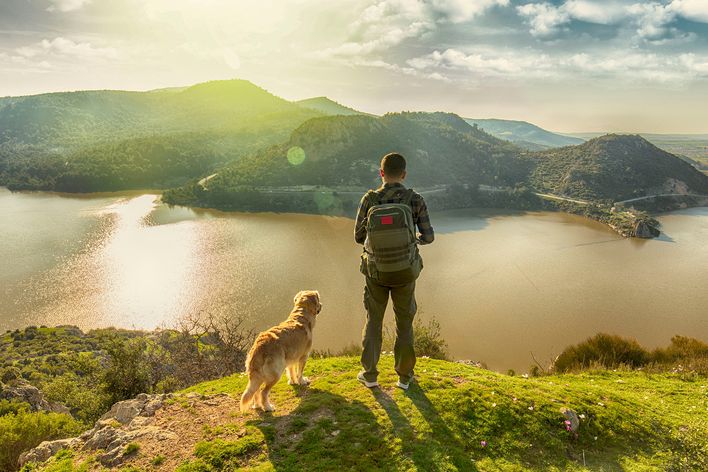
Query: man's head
x=393 y=168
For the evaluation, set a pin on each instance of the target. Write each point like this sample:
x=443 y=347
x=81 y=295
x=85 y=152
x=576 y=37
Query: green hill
x=455 y=417
x=614 y=167
x=343 y=152
x=111 y=140
x=524 y=134
x=328 y=107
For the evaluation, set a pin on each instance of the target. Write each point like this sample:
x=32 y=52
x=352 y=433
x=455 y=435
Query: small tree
x=128 y=372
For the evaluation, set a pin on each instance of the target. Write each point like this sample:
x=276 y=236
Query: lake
x=502 y=284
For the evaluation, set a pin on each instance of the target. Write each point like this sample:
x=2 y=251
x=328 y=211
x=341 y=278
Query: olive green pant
x=404 y=307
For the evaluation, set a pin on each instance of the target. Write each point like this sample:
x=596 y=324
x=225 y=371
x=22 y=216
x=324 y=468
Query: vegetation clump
x=611 y=351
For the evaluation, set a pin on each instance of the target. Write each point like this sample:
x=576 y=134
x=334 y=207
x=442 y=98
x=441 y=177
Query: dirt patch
x=187 y=420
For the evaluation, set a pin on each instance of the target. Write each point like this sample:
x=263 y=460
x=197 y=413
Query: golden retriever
x=285 y=345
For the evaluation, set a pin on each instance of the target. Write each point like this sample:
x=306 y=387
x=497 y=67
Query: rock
x=101 y=438
x=22 y=391
x=125 y=422
x=571 y=416
x=45 y=450
x=142 y=405
x=644 y=230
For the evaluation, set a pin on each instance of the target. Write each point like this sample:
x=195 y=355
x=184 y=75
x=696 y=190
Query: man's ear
x=403 y=175
x=381 y=172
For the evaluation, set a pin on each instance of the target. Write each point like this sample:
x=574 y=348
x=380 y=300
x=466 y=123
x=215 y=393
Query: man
x=382 y=210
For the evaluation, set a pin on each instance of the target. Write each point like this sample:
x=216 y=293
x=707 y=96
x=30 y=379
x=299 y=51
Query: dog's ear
x=298 y=296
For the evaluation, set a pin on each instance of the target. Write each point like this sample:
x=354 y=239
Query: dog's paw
x=293 y=382
x=304 y=381
x=268 y=407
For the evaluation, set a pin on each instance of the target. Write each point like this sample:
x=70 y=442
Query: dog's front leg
x=293 y=375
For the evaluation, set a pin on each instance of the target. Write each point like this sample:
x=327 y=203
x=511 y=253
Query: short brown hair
x=393 y=164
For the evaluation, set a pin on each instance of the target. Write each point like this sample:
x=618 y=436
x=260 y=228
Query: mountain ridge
x=524 y=134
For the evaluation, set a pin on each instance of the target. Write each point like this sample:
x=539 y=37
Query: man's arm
x=422 y=220
x=360 y=226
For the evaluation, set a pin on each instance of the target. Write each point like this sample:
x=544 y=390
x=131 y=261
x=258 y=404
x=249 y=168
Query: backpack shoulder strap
x=408 y=197
x=372 y=196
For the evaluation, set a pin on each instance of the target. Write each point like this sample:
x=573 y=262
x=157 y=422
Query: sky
x=566 y=65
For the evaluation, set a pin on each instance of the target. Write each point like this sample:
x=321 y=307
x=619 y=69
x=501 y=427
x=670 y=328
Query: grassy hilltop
x=457 y=417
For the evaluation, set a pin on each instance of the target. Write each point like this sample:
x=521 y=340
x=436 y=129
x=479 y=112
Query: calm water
x=501 y=285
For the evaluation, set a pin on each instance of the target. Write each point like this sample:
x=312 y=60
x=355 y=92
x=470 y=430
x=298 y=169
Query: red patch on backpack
x=387 y=220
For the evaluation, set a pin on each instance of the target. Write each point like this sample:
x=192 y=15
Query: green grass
x=630 y=421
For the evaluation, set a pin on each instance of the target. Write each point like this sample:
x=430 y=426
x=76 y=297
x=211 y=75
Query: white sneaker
x=360 y=378
x=402 y=385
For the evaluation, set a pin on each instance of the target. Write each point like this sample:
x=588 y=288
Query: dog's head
x=310 y=300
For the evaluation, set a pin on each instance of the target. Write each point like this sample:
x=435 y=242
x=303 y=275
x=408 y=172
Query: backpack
x=391 y=252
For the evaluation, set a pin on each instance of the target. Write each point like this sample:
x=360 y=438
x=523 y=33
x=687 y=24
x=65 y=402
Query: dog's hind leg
x=271 y=375
x=301 y=368
x=254 y=382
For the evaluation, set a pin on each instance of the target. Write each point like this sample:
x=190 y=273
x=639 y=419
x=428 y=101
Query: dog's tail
x=254 y=383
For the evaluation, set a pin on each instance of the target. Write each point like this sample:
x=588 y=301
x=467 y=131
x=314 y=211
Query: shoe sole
x=370 y=384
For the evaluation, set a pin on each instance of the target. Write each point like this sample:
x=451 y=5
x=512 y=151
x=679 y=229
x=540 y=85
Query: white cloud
x=381 y=64
x=545 y=19
x=652 y=20
x=460 y=11
x=388 y=23
x=695 y=10
x=67 y=5
x=512 y=64
x=530 y=64
x=603 y=13
x=67 y=47
x=697 y=66
x=40 y=54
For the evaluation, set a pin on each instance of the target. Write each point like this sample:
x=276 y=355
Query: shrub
x=609 y=351
x=131 y=448
x=427 y=340
x=128 y=373
x=24 y=430
x=681 y=349
x=602 y=349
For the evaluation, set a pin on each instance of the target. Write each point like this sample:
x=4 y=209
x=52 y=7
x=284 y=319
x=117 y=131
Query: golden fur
x=286 y=345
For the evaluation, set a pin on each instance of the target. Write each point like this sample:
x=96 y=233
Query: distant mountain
x=523 y=134
x=110 y=140
x=615 y=167
x=327 y=106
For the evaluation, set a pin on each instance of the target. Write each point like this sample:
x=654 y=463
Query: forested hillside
x=111 y=140
x=615 y=167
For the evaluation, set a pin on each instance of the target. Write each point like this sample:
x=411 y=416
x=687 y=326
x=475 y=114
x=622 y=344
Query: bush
x=128 y=373
x=609 y=351
x=680 y=349
x=427 y=340
x=602 y=349
x=86 y=403
x=24 y=430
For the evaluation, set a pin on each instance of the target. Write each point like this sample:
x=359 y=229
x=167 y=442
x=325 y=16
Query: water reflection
x=501 y=285
x=146 y=271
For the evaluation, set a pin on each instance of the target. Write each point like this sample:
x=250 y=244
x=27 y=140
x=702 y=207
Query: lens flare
x=296 y=155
